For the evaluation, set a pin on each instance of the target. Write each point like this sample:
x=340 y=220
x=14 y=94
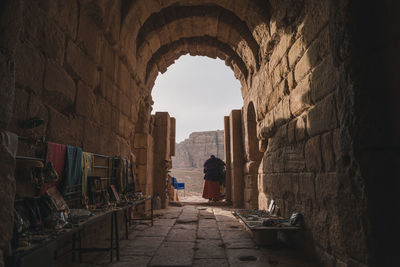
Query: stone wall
x=296 y=96
x=70 y=72
x=194 y=151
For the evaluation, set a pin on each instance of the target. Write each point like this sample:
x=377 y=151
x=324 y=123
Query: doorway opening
x=198 y=92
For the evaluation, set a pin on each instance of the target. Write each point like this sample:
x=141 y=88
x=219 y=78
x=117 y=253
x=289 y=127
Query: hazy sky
x=198 y=92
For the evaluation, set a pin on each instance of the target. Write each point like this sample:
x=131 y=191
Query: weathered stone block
x=336 y=143
x=283 y=45
x=60 y=88
x=295 y=52
x=300 y=98
x=67 y=16
x=106 y=87
x=292 y=131
x=89 y=37
x=250 y=181
x=141 y=155
x=290 y=81
x=109 y=60
x=81 y=65
x=93 y=137
x=313 y=155
x=313 y=55
x=279 y=140
x=29 y=67
x=282 y=112
x=266 y=127
x=278 y=164
x=39 y=29
x=20 y=108
x=115 y=114
x=141 y=140
x=124 y=77
x=327 y=152
x=262 y=145
x=125 y=104
x=324 y=80
x=301 y=132
x=317 y=17
x=326 y=189
x=322 y=117
x=65 y=129
x=294 y=160
x=85 y=101
x=303 y=67
x=306 y=188
x=251 y=167
x=36 y=108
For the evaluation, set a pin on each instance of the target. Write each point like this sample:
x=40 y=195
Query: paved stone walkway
x=198 y=235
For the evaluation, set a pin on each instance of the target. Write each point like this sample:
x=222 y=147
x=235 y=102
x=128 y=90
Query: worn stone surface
x=161 y=251
x=246 y=257
x=181 y=235
x=210 y=249
x=168 y=255
x=210 y=262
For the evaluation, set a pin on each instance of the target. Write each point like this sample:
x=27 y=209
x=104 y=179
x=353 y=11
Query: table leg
x=80 y=246
x=112 y=237
x=116 y=235
x=151 y=211
x=73 y=246
x=126 y=223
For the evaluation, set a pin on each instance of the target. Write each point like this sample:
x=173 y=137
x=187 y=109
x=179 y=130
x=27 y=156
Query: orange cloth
x=211 y=190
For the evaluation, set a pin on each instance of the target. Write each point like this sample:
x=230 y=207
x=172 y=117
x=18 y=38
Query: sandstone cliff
x=192 y=152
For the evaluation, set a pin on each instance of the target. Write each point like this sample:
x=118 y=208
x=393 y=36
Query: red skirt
x=211 y=190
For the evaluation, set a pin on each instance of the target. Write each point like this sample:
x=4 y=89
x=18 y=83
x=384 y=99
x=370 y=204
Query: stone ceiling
x=158 y=32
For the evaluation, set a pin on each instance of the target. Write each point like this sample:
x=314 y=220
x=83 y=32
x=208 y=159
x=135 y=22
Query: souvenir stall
x=60 y=192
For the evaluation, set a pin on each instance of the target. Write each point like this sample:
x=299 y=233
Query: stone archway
x=87 y=66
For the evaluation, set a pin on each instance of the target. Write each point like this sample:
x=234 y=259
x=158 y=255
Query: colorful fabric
x=55 y=155
x=211 y=190
x=73 y=166
x=87 y=168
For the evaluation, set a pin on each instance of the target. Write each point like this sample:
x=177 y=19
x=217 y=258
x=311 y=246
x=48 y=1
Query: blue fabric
x=176 y=185
x=73 y=166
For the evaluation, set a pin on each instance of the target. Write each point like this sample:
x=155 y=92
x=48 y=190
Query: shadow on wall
x=305 y=165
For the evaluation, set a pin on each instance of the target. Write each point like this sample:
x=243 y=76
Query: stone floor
x=198 y=235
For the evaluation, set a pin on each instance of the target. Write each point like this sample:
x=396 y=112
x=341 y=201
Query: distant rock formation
x=192 y=152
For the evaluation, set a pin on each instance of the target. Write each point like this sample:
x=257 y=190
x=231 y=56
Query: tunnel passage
x=87 y=68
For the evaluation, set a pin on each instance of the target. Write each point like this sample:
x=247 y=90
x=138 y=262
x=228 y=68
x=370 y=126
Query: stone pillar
x=143 y=149
x=236 y=143
x=227 y=148
x=162 y=158
x=172 y=137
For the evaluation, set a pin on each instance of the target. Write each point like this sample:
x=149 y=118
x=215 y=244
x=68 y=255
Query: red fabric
x=211 y=190
x=55 y=155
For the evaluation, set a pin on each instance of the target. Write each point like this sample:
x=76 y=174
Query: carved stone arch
x=204 y=46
